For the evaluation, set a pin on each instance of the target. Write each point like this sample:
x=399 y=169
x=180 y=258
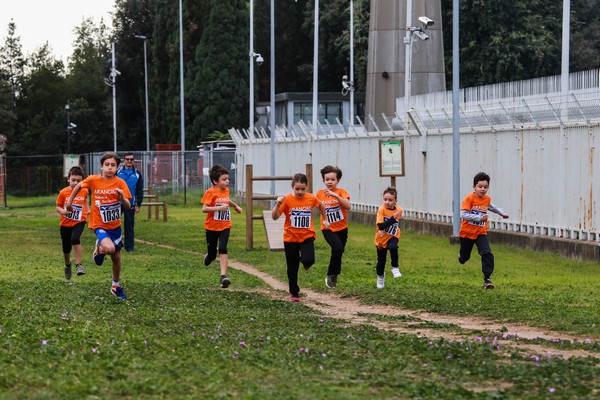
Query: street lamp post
x=68 y=108
x=145 y=39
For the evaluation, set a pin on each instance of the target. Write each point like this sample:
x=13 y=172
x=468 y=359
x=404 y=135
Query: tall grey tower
x=386 y=55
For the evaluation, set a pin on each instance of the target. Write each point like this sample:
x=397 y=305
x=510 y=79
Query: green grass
x=180 y=336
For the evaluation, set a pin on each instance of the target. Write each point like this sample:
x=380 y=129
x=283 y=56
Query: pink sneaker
x=295 y=299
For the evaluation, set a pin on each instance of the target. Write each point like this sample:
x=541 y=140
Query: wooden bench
x=156 y=205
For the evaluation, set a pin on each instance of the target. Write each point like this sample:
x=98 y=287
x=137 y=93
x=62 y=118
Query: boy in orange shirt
x=72 y=223
x=387 y=235
x=215 y=203
x=473 y=228
x=298 y=229
x=108 y=193
x=337 y=203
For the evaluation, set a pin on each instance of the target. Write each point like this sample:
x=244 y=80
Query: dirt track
x=507 y=336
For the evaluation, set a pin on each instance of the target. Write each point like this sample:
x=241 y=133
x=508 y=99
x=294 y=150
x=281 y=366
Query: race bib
x=477 y=223
x=76 y=214
x=334 y=214
x=110 y=212
x=392 y=230
x=300 y=219
x=224 y=215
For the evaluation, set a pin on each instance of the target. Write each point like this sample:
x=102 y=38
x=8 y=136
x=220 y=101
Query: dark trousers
x=483 y=247
x=392 y=246
x=337 y=241
x=128 y=224
x=71 y=236
x=296 y=253
x=216 y=241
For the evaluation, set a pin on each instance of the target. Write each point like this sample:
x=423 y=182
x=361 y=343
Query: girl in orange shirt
x=298 y=229
x=72 y=223
x=215 y=203
x=387 y=235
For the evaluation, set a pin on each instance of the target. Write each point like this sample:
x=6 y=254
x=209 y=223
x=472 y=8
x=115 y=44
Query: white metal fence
x=543 y=162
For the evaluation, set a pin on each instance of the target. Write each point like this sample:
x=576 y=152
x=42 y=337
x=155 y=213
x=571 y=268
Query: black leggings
x=337 y=241
x=296 y=253
x=70 y=236
x=392 y=246
x=216 y=241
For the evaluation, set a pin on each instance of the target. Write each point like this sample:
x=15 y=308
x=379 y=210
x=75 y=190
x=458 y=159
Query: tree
x=12 y=62
x=89 y=97
x=217 y=96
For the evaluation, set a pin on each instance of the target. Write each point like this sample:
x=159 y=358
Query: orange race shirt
x=218 y=220
x=106 y=206
x=336 y=214
x=474 y=205
x=298 y=225
x=392 y=231
x=80 y=207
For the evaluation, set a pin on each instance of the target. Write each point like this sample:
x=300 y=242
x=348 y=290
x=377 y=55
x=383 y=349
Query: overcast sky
x=52 y=21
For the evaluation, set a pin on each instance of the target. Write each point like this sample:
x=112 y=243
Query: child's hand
x=505 y=216
x=280 y=200
x=119 y=193
x=483 y=218
x=68 y=207
x=238 y=209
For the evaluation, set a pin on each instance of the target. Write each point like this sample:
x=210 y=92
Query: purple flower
x=243 y=344
x=94 y=350
x=44 y=341
x=551 y=390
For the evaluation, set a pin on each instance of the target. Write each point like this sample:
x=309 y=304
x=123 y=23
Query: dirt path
x=503 y=335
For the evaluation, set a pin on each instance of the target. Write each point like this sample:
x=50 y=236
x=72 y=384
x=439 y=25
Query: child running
x=387 y=235
x=337 y=203
x=72 y=222
x=108 y=192
x=215 y=203
x=298 y=229
x=473 y=228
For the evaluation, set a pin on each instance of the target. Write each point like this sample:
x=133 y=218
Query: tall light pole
x=455 y=121
x=316 y=70
x=145 y=39
x=68 y=108
x=181 y=101
x=272 y=95
x=113 y=77
x=259 y=60
x=351 y=63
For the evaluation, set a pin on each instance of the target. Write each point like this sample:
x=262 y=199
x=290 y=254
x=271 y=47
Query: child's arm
x=469 y=216
x=123 y=199
x=345 y=203
x=68 y=204
x=208 y=209
x=238 y=209
x=324 y=215
x=492 y=207
x=275 y=213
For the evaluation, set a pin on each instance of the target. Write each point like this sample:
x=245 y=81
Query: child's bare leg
x=116 y=265
x=78 y=253
x=223 y=260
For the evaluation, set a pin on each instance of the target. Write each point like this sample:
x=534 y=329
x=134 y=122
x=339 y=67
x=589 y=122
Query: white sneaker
x=396 y=272
x=380 y=281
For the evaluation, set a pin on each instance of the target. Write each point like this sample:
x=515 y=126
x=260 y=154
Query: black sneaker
x=460 y=260
x=225 y=282
x=207 y=262
x=330 y=281
x=68 y=272
x=487 y=284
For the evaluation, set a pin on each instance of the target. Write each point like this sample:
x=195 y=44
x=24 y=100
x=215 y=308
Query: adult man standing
x=135 y=183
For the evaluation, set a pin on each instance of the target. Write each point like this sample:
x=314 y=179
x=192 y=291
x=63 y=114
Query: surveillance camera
x=346 y=85
x=259 y=60
x=420 y=35
x=426 y=21
x=72 y=125
x=114 y=72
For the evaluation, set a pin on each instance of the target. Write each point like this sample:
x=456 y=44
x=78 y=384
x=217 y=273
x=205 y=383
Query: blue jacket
x=135 y=183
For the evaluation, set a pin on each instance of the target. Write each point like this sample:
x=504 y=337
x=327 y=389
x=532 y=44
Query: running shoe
x=68 y=272
x=225 y=282
x=98 y=257
x=79 y=269
x=118 y=291
x=396 y=272
x=487 y=284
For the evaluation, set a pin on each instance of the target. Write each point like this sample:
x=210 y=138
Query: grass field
x=180 y=336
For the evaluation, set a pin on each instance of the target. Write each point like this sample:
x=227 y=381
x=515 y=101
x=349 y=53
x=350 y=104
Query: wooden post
x=249 y=208
x=309 y=175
